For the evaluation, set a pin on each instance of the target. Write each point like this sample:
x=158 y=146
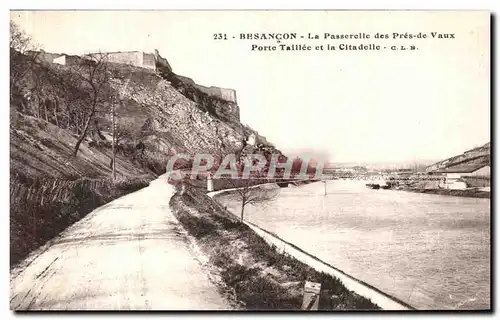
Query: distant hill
x=418 y=165
x=475 y=156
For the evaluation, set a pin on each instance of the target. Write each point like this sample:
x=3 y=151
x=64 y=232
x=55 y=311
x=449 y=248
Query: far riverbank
x=429 y=250
x=469 y=193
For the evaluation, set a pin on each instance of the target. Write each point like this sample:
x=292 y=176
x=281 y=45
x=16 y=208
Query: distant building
x=360 y=169
x=345 y=170
x=465 y=170
x=65 y=59
x=140 y=59
x=403 y=172
x=152 y=61
x=134 y=58
x=58 y=58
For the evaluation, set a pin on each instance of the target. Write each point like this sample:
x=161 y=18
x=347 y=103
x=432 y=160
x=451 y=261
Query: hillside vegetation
x=61 y=136
x=257 y=275
x=475 y=156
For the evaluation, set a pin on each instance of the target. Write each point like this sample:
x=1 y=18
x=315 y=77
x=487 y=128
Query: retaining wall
x=383 y=300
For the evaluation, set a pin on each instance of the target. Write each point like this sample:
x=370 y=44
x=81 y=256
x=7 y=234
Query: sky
x=349 y=106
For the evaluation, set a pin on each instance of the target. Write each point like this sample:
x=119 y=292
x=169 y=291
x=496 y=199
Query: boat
x=373 y=185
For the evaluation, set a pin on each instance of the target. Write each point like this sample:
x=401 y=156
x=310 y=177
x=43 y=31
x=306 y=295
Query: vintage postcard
x=250 y=160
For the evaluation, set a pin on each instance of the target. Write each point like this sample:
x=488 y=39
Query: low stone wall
x=133 y=58
x=383 y=300
x=258 y=275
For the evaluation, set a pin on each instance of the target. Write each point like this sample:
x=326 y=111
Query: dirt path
x=130 y=254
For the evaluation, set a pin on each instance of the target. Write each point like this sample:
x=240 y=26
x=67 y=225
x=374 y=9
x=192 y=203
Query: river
x=430 y=251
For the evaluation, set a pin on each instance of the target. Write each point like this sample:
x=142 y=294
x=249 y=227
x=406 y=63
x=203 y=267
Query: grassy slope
x=50 y=189
x=49 y=186
x=257 y=274
x=39 y=148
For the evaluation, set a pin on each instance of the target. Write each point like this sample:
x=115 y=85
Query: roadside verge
x=381 y=299
x=257 y=274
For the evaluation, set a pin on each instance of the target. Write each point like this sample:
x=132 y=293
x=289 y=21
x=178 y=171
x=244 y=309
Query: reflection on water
x=428 y=250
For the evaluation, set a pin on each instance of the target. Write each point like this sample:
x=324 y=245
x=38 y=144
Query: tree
x=73 y=101
x=92 y=75
x=119 y=134
x=44 y=95
x=24 y=56
x=250 y=193
x=19 y=40
x=246 y=188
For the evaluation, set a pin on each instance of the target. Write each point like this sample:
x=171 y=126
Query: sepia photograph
x=250 y=160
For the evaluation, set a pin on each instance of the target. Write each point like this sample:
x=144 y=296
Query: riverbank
x=469 y=193
x=380 y=298
x=256 y=273
x=377 y=235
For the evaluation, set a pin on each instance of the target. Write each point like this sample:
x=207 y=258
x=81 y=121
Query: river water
x=430 y=251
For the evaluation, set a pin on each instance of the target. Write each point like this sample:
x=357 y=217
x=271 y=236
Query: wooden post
x=311 y=296
x=324 y=182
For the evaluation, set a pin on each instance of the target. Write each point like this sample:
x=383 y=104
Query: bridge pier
x=210 y=183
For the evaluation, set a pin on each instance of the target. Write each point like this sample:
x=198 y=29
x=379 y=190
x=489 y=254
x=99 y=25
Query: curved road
x=130 y=254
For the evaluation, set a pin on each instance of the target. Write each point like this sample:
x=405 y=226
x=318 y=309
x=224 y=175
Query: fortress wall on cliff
x=148 y=61
x=226 y=109
x=47 y=56
x=140 y=59
x=134 y=58
x=227 y=94
x=223 y=93
x=224 y=106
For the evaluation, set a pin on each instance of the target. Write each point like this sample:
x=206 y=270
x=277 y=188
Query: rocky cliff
x=159 y=114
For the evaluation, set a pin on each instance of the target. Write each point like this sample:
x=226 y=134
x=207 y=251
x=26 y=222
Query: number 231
x=220 y=36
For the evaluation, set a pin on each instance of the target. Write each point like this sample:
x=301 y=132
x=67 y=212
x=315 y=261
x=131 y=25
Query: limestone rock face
x=158 y=114
x=219 y=102
x=167 y=122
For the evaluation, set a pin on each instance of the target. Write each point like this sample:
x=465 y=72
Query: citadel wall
x=223 y=93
